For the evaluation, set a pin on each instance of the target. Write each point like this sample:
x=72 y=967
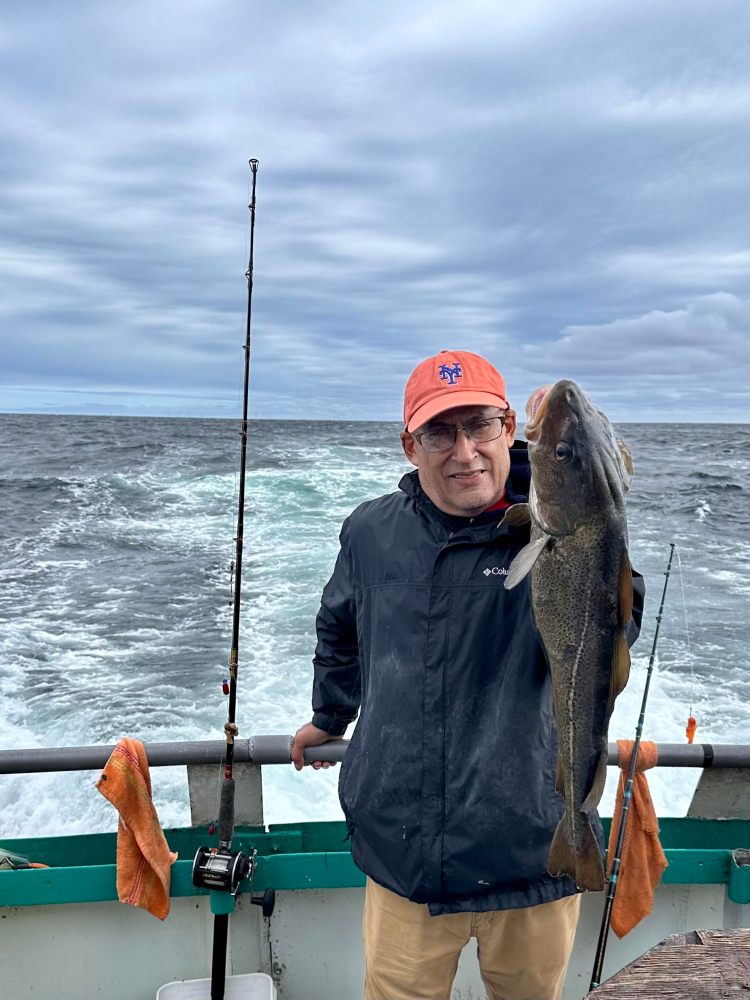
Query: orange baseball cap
x=451 y=378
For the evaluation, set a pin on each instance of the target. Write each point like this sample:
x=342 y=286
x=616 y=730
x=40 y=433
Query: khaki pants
x=409 y=955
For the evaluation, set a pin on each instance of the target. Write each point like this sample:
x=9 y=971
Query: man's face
x=470 y=476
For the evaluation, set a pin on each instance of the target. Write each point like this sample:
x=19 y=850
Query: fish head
x=579 y=468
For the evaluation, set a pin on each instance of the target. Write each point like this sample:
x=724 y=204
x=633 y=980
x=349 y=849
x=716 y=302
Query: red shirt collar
x=502 y=504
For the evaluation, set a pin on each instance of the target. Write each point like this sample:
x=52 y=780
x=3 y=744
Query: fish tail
x=582 y=862
x=562 y=855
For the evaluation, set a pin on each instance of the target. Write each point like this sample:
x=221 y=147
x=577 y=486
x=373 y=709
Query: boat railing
x=276 y=750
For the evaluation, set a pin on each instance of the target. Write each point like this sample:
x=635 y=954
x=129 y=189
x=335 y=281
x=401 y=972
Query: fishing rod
x=601 y=947
x=219 y=868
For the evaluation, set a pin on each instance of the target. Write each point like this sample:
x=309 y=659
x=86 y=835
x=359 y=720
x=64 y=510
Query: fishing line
x=692 y=724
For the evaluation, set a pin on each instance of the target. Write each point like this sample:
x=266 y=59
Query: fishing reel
x=219 y=868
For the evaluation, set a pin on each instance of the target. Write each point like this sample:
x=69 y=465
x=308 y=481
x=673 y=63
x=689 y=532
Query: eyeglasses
x=442 y=437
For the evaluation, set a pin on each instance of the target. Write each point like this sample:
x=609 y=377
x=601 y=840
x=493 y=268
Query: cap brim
x=450 y=401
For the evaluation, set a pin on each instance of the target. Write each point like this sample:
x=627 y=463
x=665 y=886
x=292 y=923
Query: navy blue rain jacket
x=448 y=782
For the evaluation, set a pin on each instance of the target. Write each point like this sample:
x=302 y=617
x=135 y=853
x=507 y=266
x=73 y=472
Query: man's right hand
x=309 y=736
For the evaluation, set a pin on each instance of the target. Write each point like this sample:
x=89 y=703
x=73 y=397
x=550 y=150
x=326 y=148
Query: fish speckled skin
x=581 y=588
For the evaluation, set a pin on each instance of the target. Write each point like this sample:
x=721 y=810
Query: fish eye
x=563 y=451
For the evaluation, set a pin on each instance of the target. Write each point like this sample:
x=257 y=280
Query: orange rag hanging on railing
x=642 y=861
x=143 y=857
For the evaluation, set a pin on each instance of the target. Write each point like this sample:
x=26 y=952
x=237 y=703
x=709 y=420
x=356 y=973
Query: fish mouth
x=565 y=394
x=536 y=407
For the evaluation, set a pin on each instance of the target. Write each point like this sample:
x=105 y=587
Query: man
x=448 y=782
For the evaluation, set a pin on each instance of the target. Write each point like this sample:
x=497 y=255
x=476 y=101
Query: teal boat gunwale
x=316 y=855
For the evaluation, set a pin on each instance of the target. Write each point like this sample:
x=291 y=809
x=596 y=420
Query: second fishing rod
x=614 y=876
x=219 y=868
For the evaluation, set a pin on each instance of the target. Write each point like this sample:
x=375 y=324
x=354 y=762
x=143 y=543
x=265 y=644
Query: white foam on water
x=115 y=618
x=665 y=720
x=735 y=582
x=703 y=510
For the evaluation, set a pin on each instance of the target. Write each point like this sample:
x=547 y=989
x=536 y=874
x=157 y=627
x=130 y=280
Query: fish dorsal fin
x=517 y=514
x=626 y=590
x=525 y=559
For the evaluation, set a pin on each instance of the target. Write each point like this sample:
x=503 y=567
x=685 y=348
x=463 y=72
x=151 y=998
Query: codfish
x=582 y=599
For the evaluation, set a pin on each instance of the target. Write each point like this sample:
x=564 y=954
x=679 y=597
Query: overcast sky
x=560 y=186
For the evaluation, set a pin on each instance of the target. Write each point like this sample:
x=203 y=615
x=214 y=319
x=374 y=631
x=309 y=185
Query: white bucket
x=252 y=986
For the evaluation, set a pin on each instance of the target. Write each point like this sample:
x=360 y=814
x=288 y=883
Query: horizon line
x=312 y=420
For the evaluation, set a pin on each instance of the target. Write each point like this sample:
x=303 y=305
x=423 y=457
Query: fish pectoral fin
x=627 y=463
x=626 y=590
x=525 y=559
x=517 y=514
x=596 y=791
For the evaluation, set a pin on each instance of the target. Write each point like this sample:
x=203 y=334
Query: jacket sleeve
x=633 y=628
x=336 y=684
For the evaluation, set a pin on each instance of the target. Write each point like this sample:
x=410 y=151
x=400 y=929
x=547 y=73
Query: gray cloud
x=694 y=359
x=560 y=186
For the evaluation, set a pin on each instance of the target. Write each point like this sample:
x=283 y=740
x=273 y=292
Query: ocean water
x=116 y=537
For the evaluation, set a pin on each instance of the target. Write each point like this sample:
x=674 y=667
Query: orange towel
x=642 y=861
x=143 y=855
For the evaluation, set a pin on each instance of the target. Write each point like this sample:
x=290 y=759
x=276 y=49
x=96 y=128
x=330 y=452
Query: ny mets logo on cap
x=450 y=373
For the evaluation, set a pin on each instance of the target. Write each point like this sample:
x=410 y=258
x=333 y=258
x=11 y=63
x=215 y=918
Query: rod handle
x=226 y=812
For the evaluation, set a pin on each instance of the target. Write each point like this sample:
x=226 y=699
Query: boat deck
x=698 y=965
x=312 y=943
